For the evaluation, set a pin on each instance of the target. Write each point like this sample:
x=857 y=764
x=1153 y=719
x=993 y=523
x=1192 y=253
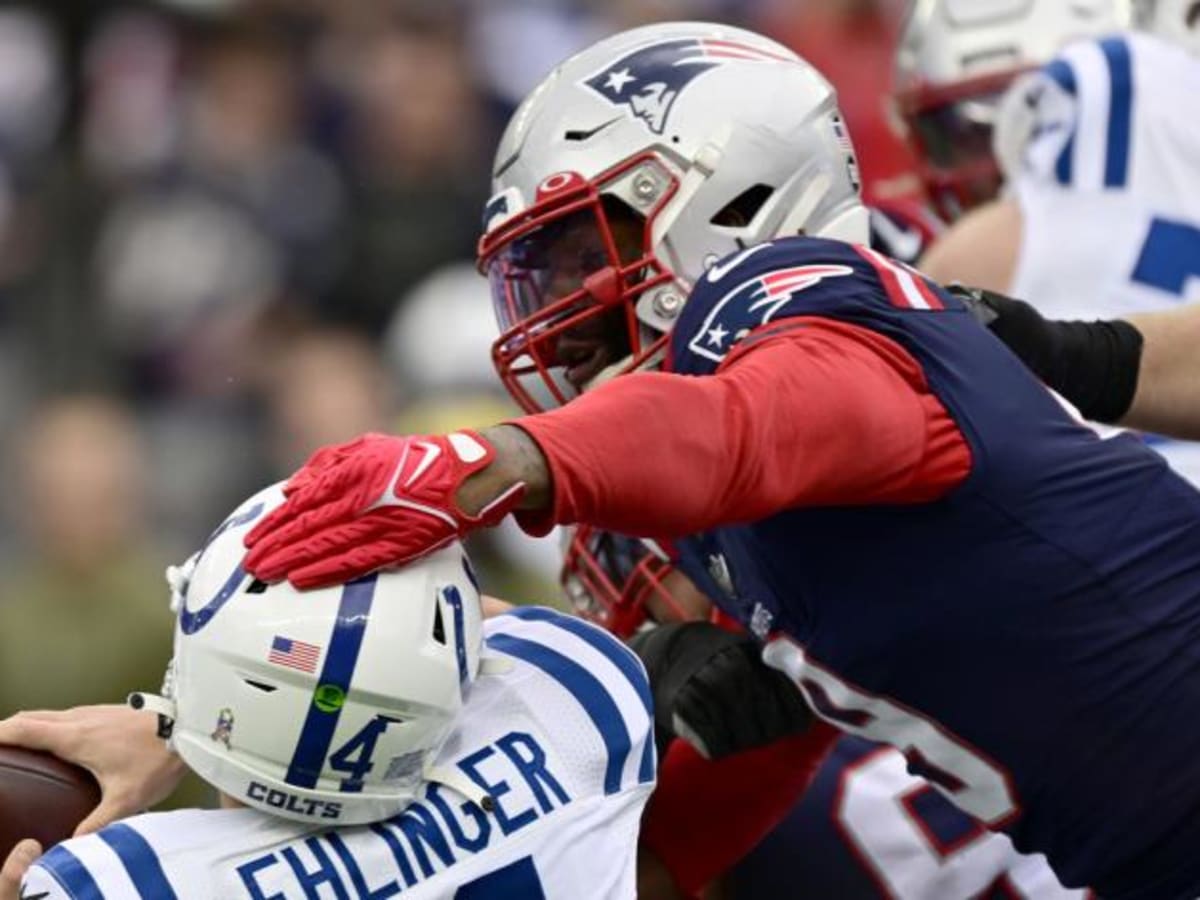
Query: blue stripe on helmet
x=455 y=602
x=1120 y=110
x=71 y=875
x=1062 y=73
x=140 y=861
x=587 y=691
x=338 y=670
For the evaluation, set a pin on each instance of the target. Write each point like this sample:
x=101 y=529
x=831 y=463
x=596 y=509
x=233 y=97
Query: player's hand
x=712 y=689
x=15 y=867
x=374 y=502
x=118 y=745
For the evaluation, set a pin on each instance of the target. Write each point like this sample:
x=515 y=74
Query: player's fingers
x=47 y=715
x=313 y=535
x=26 y=730
x=381 y=553
x=316 y=506
x=352 y=562
x=22 y=856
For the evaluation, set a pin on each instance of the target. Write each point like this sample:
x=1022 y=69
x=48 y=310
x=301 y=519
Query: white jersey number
x=972 y=782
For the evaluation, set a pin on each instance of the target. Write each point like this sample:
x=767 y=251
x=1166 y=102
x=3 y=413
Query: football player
x=864 y=829
x=843 y=458
x=954 y=62
x=1101 y=211
x=371 y=739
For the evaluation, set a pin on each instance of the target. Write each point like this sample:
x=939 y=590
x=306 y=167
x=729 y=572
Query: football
x=41 y=797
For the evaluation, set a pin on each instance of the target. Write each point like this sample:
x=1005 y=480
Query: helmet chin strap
x=164 y=706
x=454 y=778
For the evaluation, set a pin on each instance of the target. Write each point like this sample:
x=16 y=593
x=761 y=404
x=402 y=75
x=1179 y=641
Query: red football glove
x=373 y=502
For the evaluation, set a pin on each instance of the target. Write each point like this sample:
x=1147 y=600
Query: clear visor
x=537 y=270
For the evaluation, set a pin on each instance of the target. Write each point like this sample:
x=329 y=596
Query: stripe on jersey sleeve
x=1062 y=74
x=906 y=288
x=72 y=875
x=620 y=655
x=625 y=661
x=587 y=690
x=1120 y=110
x=140 y=862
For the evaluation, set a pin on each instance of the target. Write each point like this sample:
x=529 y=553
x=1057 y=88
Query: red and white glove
x=376 y=501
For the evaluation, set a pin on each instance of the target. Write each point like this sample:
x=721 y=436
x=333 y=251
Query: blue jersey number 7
x=1170 y=256
x=516 y=881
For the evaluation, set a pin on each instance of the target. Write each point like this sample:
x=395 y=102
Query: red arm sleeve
x=705 y=815
x=816 y=412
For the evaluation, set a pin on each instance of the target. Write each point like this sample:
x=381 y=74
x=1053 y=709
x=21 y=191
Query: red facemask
x=950 y=129
x=565 y=275
x=611 y=579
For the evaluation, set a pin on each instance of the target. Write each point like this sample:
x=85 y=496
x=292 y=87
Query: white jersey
x=557 y=730
x=1108 y=181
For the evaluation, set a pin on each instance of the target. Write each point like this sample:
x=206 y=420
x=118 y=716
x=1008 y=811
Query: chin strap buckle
x=161 y=705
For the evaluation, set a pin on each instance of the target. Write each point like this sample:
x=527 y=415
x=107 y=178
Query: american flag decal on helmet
x=753 y=303
x=647 y=81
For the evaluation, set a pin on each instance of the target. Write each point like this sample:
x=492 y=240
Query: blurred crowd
x=231 y=232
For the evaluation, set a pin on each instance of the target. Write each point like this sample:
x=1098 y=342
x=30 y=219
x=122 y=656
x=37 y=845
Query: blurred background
x=231 y=232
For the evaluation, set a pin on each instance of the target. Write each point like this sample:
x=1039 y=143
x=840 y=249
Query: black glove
x=1093 y=364
x=712 y=689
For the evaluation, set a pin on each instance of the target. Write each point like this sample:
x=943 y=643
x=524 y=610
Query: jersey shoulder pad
x=590 y=677
x=1070 y=123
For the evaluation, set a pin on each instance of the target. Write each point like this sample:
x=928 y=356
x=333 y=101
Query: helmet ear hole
x=741 y=210
x=439 y=627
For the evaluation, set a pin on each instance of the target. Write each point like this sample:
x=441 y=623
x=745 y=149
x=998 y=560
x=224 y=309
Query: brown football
x=41 y=797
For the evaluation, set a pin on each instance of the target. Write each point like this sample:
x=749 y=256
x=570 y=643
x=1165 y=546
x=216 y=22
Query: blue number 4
x=356 y=767
x=516 y=881
x=1170 y=256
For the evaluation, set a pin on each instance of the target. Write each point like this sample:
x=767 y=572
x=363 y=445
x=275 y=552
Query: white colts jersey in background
x=1105 y=164
x=559 y=736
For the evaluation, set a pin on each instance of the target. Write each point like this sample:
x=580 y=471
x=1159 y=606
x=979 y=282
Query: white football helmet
x=322 y=706
x=953 y=64
x=632 y=168
x=1178 y=21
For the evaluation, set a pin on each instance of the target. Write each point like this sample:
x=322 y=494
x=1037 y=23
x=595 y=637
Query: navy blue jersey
x=1029 y=640
x=868 y=830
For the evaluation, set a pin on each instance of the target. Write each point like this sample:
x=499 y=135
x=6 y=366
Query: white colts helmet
x=632 y=168
x=1178 y=21
x=954 y=62
x=322 y=706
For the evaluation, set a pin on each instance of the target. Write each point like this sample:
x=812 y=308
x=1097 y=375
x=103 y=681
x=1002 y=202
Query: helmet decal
x=648 y=80
x=559 y=181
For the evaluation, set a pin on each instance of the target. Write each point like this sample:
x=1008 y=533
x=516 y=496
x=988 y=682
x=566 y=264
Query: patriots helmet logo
x=753 y=303
x=647 y=81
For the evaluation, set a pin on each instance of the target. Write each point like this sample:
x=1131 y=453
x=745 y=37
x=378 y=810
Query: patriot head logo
x=753 y=303
x=647 y=81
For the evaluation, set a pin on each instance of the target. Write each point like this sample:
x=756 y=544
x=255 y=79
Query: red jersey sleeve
x=811 y=411
x=705 y=815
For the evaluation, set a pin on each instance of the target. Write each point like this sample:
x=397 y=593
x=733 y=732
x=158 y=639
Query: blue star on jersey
x=647 y=81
